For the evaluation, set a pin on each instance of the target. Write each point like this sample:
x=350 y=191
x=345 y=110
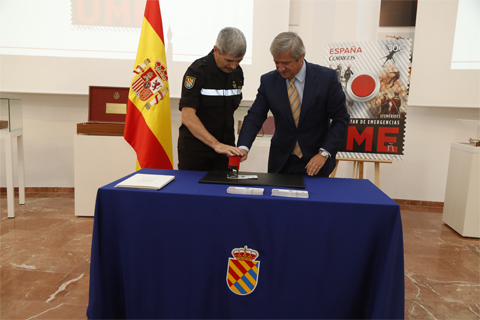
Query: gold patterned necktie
x=295 y=106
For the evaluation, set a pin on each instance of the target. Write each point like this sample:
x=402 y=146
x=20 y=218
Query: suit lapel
x=308 y=92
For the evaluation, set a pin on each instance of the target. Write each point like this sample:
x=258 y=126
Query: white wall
x=50 y=120
x=49 y=125
x=46 y=74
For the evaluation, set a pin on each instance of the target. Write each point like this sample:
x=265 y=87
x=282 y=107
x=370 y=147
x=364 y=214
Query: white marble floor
x=45 y=259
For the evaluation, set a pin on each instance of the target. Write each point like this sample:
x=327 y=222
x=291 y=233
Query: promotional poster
x=375 y=78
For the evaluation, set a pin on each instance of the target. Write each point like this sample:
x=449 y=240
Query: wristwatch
x=324 y=154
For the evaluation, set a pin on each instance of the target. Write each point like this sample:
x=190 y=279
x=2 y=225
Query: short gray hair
x=288 y=41
x=231 y=41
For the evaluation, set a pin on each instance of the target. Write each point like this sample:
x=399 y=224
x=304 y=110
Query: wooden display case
x=107 y=109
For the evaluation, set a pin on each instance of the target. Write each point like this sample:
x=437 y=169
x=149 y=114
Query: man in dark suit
x=308 y=105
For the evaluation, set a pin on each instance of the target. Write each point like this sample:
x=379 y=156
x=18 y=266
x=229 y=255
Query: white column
x=9 y=174
x=21 y=169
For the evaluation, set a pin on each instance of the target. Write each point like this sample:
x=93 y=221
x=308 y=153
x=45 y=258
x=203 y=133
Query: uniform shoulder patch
x=189 y=82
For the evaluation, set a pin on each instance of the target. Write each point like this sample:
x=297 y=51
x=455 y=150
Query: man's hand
x=315 y=164
x=244 y=155
x=229 y=151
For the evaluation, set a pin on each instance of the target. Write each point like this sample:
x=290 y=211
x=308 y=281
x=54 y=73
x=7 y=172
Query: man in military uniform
x=211 y=92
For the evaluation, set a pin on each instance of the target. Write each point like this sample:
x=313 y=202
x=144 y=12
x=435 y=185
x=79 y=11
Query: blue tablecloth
x=165 y=253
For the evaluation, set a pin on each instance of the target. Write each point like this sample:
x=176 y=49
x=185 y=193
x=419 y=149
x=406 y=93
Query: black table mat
x=264 y=179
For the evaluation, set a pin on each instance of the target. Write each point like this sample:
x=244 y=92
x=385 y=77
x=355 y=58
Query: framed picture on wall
x=398 y=13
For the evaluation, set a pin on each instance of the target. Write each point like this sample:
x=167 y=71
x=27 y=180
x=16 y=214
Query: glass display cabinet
x=11 y=118
x=11 y=127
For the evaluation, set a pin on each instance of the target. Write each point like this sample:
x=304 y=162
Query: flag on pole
x=148 y=123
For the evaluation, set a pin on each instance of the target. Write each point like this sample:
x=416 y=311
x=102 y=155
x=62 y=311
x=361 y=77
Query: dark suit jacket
x=323 y=100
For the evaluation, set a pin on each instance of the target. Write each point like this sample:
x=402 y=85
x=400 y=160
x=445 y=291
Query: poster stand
x=358 y=167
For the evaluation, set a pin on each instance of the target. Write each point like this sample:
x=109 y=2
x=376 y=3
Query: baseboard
x=430 y=206
x=3 y=190
x=402 y=202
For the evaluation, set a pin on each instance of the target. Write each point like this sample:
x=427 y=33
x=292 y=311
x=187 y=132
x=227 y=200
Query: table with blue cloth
x=181 y=252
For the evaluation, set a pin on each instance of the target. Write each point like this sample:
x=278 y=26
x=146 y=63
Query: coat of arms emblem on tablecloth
x=243 y=269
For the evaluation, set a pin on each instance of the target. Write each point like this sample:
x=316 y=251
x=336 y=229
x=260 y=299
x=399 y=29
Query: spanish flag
x=148 y=123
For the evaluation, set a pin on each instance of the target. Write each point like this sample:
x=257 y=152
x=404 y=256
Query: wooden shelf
x=104 y=129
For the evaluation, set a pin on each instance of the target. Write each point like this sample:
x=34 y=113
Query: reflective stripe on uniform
x=221 y=93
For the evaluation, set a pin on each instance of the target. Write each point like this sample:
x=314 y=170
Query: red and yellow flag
x=148 y=123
